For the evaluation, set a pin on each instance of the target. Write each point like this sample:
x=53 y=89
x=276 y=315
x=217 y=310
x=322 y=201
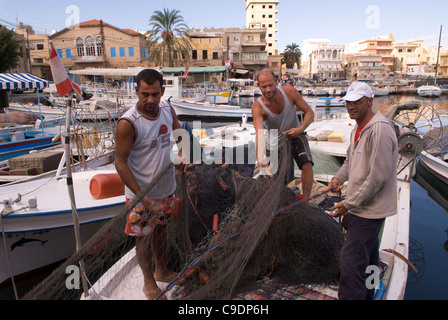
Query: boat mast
x=438 y=54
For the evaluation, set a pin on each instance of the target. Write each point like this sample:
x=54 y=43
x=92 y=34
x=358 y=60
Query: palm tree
x=291 y=55
x=168 y=35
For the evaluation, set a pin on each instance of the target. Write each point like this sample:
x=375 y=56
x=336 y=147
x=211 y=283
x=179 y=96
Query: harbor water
x=428 y=223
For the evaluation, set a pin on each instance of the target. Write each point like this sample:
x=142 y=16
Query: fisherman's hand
x=292 y=133
x=334 y=185
x=181 y=162
x=264 y=169
x=150 y=204
x=338 y=210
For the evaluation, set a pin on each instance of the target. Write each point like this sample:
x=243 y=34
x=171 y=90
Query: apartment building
x=243 y=49
x=408 y=55
x=443 y=65
x=380 y=46
x=261 y=14
x=37 y=52
x=364 y=66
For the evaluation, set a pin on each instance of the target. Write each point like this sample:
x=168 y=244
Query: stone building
x=98 y=44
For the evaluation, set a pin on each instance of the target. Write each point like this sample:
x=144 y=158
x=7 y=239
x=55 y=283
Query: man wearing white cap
x=370 y=169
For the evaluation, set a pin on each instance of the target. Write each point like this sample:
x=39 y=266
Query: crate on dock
x=35 y=163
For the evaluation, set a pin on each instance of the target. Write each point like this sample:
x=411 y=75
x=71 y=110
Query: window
x=40 y=46
x=113 y=52
x=68 y=53
x=59 y=53
x=90 y=46
x=131 y=51
x=122 y=52
x=99 y=46
x=79 y=46
x=204 y=54
x=194 y=54
x=38 y=60
x=215 y=55
x=236 y=57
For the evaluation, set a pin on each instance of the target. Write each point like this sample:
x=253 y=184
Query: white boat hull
x=219 y=97
x=435 y=165
x=29 y=252
x=50 y=223
x=429 y=91
x=80 y=113
x=191 y=109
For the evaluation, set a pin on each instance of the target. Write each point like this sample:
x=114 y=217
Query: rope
x=399 y=255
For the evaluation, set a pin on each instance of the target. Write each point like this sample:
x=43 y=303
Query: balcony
x=87 y=59
x=254 y=43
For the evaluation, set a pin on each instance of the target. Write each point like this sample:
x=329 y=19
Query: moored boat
x=429 y=91
x=37 y=223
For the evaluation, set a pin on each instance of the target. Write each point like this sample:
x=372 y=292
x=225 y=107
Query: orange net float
x=106 y=185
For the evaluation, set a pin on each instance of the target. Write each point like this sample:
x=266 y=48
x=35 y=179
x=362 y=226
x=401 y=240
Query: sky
x=342 y=22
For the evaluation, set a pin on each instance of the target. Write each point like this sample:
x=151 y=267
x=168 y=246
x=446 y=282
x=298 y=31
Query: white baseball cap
x=357 y=90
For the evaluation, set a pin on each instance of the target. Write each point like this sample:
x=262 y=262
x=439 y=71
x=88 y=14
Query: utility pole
x=103 y=45
x=438 y=53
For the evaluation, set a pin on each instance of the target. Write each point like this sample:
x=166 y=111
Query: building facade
x=379 y=46
x=261 y=14
x=410 y=54
x=98 y=44
x=36 y=55
x=322 y=61
x=443 y=65
x=243 y=50
x=365 y=67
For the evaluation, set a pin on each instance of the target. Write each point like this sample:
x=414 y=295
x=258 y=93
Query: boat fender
x=106 y=185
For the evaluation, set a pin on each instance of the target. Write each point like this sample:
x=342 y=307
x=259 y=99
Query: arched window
x=90 y=46
x=79 y=46
x=99 y=46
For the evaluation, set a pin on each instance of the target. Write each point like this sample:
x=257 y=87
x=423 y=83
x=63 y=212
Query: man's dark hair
x=149 y=76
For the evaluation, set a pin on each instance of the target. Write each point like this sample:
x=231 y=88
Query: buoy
x=106 y=185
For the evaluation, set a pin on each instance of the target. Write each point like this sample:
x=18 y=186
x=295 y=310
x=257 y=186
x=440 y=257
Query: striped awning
x=21 y=81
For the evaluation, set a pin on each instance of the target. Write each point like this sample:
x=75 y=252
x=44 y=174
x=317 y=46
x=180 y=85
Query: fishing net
x=231 y=231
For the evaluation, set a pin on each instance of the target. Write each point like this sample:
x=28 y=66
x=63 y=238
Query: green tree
x=168 y=36
x=291 y=55
x=9 y=49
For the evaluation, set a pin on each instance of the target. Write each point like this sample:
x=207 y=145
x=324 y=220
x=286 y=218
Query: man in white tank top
x=143 y=150
x=277 y=108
